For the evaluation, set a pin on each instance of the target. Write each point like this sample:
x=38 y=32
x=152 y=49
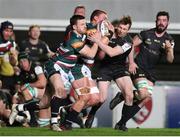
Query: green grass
x=19 y=131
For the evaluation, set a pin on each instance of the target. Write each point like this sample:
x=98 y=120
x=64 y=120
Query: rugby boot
x=121 y=127
x=89 y=121
x=66 y=125
x=78 y=120
x=66 y=118
x=116 y=100
x=13 y=114
x=55 y=127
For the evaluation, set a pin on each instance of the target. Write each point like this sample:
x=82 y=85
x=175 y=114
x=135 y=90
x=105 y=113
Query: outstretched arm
x=117 y=50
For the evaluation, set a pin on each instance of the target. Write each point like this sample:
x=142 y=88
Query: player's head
x=162 y=21
x=78 y=23
x=34 y=32
x=124 y=26
x=97 y=16
x=23 y=55
x=23 y=59
x=80 y=10
x=6 y=30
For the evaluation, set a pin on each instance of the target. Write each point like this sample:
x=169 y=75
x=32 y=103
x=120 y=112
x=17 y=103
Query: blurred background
x=53 y=17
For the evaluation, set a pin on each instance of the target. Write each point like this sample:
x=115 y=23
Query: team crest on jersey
x=144 y=113
x=77 y=44
x=148 y=41
x=40 y=50
x=33 y=76
x=27 y=50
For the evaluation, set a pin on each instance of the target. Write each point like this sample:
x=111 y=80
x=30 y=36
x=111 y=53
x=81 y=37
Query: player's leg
x=104 y=78
x=57 y=100
x=31 y=103
x=56 y=75
x=103 y=88
x=84 y=88
x=126 y=85
x=44 y=114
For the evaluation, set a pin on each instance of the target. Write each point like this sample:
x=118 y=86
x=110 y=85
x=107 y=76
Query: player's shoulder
x=90 y=25
x=129 y=37
x=168 y=36
x=148 y=31
x=25 y=41
x=42 y=42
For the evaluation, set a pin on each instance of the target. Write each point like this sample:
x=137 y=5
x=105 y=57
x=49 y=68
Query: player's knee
x=60 y=92
x=129 y=97
x=88 y=94
x=143 y=93
x=144 y=89
x=95 y=94
x=102 y=99
x=95 y=98
x=87 y=98
x=146 y=92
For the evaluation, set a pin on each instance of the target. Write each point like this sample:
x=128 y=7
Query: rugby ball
x=103 y=28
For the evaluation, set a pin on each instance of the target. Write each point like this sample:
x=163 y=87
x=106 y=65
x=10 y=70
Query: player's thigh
x=40 y=93
x=103 y=88
x=125 y=85
x=56 y=80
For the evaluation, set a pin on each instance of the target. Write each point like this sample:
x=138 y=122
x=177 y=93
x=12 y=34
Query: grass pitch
x=19 y=131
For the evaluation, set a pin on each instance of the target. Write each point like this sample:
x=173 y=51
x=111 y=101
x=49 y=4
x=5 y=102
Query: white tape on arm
x=126 y=47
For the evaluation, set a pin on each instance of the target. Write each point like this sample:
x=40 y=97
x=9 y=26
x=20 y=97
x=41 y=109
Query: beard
x=160 y=28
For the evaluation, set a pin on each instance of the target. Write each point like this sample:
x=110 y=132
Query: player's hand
x=132 y=68
x=13 y=51
x=61 y=94
x=91 y=31
x=168 y=45
x=95 y=37
x=110 y=26
x=17 y=70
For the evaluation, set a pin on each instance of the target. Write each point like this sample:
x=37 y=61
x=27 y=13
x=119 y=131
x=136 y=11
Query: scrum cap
x=6 y=25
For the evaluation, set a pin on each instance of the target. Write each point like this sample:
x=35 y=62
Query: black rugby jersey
x=27 y=76
x=119 y=59
x=151 y=49
x=37 y=53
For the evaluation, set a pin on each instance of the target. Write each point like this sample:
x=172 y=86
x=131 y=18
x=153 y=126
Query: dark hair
x=6 y=25
x=75 y=18
x=162 y=13
x=96 y=13
x=115 y=22
x=79 y=7
x=126 y=20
